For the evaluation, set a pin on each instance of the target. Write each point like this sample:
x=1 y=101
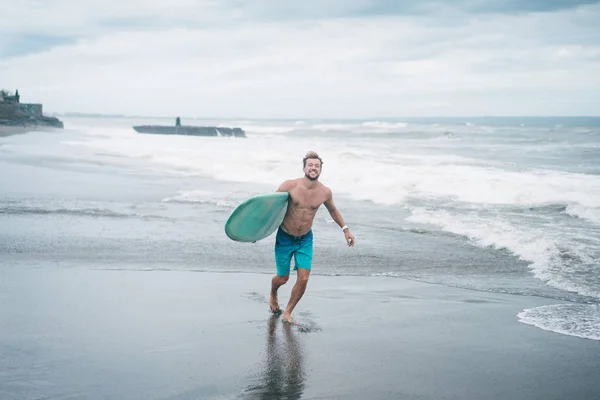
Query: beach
x=125 y=334
x=474 y=274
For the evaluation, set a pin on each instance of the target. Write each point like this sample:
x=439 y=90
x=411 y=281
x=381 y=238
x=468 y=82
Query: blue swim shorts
x=286 y=246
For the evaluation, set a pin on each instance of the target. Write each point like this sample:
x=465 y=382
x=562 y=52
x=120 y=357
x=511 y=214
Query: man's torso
x=302 y=207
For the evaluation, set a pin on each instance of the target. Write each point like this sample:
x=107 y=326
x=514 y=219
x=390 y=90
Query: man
x=294 y=237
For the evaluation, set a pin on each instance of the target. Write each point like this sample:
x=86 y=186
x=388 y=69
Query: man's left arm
x=337 y=217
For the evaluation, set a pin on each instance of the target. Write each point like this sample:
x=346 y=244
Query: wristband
x=345 y=227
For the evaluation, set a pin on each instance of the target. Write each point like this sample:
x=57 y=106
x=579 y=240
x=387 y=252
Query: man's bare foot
x=274 y=305
x=287 y=318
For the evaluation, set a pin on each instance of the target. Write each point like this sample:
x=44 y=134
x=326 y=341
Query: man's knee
x=302 y=279
x=283 y=279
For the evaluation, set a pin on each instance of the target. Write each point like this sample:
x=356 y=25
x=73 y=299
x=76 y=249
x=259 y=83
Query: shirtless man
x=294 y=237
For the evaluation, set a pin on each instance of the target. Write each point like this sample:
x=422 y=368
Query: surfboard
x=257 y=217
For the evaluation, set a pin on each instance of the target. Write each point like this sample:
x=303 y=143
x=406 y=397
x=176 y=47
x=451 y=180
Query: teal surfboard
x=257 y=217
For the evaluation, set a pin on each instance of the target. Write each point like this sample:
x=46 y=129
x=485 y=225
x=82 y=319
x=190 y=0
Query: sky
x=309 y=59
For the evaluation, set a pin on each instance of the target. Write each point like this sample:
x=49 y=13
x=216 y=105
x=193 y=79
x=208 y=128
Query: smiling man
x=295 y=237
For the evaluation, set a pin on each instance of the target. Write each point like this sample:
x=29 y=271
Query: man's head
x=312 y=165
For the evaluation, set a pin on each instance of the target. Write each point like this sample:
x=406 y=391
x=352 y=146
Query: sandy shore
x=118 y=334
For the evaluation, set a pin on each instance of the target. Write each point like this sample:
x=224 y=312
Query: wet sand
x=71 y=333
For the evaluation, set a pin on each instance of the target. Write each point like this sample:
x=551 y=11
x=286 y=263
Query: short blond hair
x=311 y=155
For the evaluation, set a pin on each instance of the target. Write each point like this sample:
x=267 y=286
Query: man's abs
x=298 y=222
x=302 y=208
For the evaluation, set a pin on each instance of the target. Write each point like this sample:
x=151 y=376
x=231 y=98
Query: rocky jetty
x=190 y=130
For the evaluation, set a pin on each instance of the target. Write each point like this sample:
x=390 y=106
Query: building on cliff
x=13 y=112
x=6 y=98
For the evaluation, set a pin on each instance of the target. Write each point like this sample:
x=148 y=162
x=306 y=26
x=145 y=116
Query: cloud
x=28 y=43
x=327 y=9
x=280 y=59
x=518 y=6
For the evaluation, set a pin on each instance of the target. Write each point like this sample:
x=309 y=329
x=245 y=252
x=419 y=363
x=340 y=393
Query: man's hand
x=349 y=237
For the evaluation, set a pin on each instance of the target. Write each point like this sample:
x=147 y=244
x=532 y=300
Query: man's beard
x=311 y=178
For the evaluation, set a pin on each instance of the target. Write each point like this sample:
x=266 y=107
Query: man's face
x=312 y=170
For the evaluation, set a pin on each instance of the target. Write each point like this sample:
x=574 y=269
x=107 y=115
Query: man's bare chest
x=305 y=199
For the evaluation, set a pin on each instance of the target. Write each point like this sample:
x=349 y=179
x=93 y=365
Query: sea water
x=495 y=204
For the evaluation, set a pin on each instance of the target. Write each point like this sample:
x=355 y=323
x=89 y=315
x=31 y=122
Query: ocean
x=508 y=205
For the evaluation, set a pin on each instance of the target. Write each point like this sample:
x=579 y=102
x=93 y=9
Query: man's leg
x=283 y=258
x=276 y=282
x=297 y=292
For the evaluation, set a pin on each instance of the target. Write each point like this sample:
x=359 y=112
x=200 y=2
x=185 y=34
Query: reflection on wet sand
x=282 y=374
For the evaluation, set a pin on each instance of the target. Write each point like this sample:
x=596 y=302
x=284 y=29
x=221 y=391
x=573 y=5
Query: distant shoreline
x=525 y=118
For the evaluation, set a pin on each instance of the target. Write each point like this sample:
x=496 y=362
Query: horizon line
x=112 y=115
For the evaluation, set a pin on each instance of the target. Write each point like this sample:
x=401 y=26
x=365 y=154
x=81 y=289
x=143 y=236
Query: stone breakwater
x=190 y=130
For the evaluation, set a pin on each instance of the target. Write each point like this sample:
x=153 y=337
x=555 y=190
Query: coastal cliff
x=17 y=117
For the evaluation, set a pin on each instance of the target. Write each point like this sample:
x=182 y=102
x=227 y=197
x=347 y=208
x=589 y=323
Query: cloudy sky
x=314 y=58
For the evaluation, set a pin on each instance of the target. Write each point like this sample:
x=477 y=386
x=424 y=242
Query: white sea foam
x=587 y=213
x=221 y=200
x=254 y=129
x=385 y=125
x=371 y=173
x=378 y=171
x=382 y=171
x=332 y=127
x=466 y=183
x=581 y=320
x=563 y=261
